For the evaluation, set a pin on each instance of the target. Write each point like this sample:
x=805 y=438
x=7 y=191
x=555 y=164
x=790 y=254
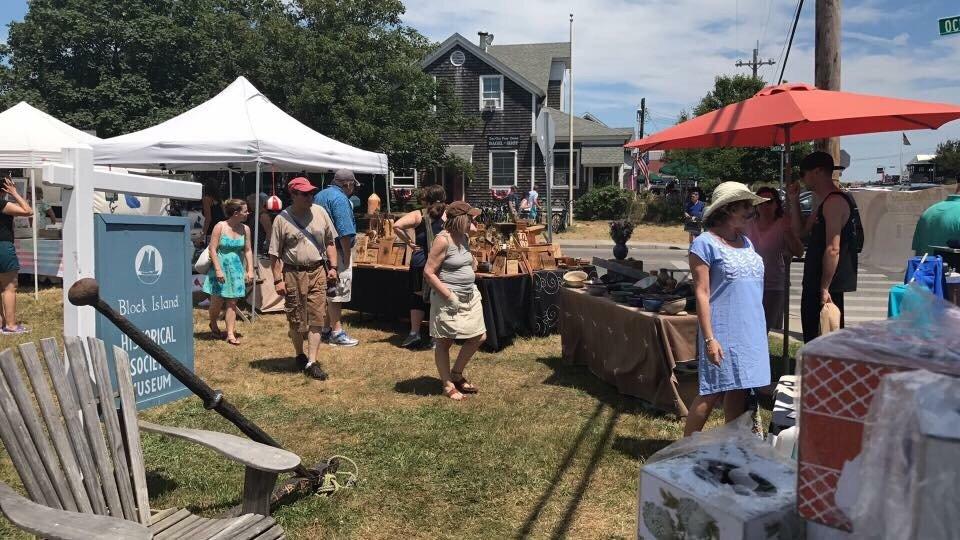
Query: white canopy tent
x=238 y=129
x=31 y=138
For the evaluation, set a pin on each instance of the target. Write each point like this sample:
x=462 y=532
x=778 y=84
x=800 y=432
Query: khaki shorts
x=306 y=300
x=464 y=322
x=344 y=283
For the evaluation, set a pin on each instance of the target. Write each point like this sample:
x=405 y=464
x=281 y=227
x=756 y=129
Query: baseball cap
x=459 y=208
x=301 y=184
x=343 y=176
x=816 y=160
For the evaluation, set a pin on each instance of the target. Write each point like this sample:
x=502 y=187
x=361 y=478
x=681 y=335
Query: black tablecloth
x=512 y=306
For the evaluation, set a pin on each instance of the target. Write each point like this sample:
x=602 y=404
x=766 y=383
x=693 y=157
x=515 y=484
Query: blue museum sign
x=143 y=268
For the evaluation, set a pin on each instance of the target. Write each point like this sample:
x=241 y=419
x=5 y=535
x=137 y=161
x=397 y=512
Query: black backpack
x=858 y=235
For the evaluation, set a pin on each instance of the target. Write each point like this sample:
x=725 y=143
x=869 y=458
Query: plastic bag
x=907 y=489
x=739 y=432
x=925 y=336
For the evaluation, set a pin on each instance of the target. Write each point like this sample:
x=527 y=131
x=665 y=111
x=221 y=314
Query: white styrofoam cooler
x=721 y=491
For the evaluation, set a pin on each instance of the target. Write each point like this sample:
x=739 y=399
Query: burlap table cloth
x=634 y=350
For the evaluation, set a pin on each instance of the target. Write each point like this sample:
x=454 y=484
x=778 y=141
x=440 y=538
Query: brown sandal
x=462 y=384
x=453 y=392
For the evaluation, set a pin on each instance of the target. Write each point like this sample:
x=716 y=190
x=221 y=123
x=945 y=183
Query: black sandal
x=462 y=384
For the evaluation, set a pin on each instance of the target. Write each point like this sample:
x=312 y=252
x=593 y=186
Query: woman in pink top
x=774 y=240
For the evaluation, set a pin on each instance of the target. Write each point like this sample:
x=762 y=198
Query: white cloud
x=670 y=51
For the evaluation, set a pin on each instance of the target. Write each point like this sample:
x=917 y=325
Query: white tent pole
x=33 y=201
x=256 y=244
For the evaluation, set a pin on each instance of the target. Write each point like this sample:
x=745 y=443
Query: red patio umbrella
x=798 y=112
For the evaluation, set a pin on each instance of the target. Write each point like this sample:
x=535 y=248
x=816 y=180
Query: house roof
x=531 y=60
x=598 y=156
x=585 y=129
x=493 y=61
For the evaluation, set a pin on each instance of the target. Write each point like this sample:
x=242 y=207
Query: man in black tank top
x=830 y=264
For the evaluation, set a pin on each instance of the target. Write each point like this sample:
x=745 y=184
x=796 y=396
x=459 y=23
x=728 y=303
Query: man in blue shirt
x=336 y=201
x=693 y=214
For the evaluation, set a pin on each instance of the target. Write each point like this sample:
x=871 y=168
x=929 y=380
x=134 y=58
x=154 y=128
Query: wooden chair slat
x=190 y=531
x=177 y=530
x=210 y=529
x=255 y=529
x=169 y=521
x=28 y=448
x=80 y=371
x=55 y=426
x=49 y=459
x=239 y=524
x=162 y=514
x=108 y=412
x=12 y=445
x=70 y=411
x=273 y=533
x=128 y=412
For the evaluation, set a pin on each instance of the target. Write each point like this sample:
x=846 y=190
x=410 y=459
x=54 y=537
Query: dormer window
x=491 y=92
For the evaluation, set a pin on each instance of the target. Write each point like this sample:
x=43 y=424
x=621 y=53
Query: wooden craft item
x=385 y=252
x=360 y=248
x=513 y=266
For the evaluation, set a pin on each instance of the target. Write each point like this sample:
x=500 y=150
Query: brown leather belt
x=301 y=267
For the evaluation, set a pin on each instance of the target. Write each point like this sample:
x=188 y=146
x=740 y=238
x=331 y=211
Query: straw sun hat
x=731 y=192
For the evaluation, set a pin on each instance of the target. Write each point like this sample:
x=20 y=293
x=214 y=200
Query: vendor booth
x=29 y=139
x=239 y=129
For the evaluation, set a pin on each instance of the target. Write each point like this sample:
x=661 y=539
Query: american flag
x=641 y=161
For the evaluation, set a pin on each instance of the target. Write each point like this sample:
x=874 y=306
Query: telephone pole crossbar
x=756 y=63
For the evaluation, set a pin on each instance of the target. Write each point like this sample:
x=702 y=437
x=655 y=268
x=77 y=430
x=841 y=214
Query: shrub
x=608 y=202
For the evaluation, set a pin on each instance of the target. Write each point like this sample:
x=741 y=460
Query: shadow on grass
x=570 y=511
x=420 y=386
x=285 y=364
x=637 y=448
x=158 y=484
x=580 y=378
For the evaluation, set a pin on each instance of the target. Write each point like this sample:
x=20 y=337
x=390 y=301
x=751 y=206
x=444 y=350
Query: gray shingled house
x=506 y=87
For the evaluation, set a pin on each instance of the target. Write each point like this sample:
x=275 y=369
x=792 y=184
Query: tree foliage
x=745 y=165
x=947 y=159
x=347 y=68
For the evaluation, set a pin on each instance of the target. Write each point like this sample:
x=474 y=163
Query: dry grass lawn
x=545 y=450
x=644 y=232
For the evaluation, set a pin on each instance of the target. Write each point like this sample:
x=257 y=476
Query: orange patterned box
x=840 y=374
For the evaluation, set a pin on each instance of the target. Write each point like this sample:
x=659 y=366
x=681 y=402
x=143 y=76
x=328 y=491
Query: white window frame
x=490 y=168
x=433 y=106
x=500 y=99
x=576 y=163
x=403 y=177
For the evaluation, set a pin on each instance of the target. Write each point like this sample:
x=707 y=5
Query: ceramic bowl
x=575 y=279
x=646 y=282
x=672 y=307
x=596 y=290
x=652 y=304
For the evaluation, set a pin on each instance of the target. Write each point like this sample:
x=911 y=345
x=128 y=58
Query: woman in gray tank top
x=455 y=308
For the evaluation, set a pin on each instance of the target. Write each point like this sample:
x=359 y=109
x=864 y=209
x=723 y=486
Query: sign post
x=949 y=25
x=546 y=138
x=149 y=252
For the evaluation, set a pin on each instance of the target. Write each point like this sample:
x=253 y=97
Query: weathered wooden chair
x=84 y=485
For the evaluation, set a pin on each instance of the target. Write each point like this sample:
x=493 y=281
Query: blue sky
x=669 y=51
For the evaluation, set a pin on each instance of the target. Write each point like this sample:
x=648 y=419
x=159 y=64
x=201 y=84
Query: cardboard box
x=840 y=374
x=694 y=496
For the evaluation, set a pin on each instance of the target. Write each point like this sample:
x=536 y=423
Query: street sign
x=546 y=138
x=143 y=266
x=949 y=25
x=546 y=132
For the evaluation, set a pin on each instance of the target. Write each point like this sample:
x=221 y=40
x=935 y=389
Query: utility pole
x=570 y=132
x=827 y=61
x=643 y=113
x=756 y=62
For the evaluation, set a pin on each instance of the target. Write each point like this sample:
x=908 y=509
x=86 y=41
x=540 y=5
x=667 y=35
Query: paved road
x=868 y=303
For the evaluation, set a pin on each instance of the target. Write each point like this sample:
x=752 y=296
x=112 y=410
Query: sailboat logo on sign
x=148 y=265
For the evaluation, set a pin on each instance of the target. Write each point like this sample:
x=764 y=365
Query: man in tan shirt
x=302 y=237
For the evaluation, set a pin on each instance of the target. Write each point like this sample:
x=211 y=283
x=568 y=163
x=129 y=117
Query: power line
x=783 y=46
x=783 y=67
x=763 y=33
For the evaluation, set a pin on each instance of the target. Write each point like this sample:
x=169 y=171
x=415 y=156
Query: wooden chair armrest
x=46 y=522
x=250 y=453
